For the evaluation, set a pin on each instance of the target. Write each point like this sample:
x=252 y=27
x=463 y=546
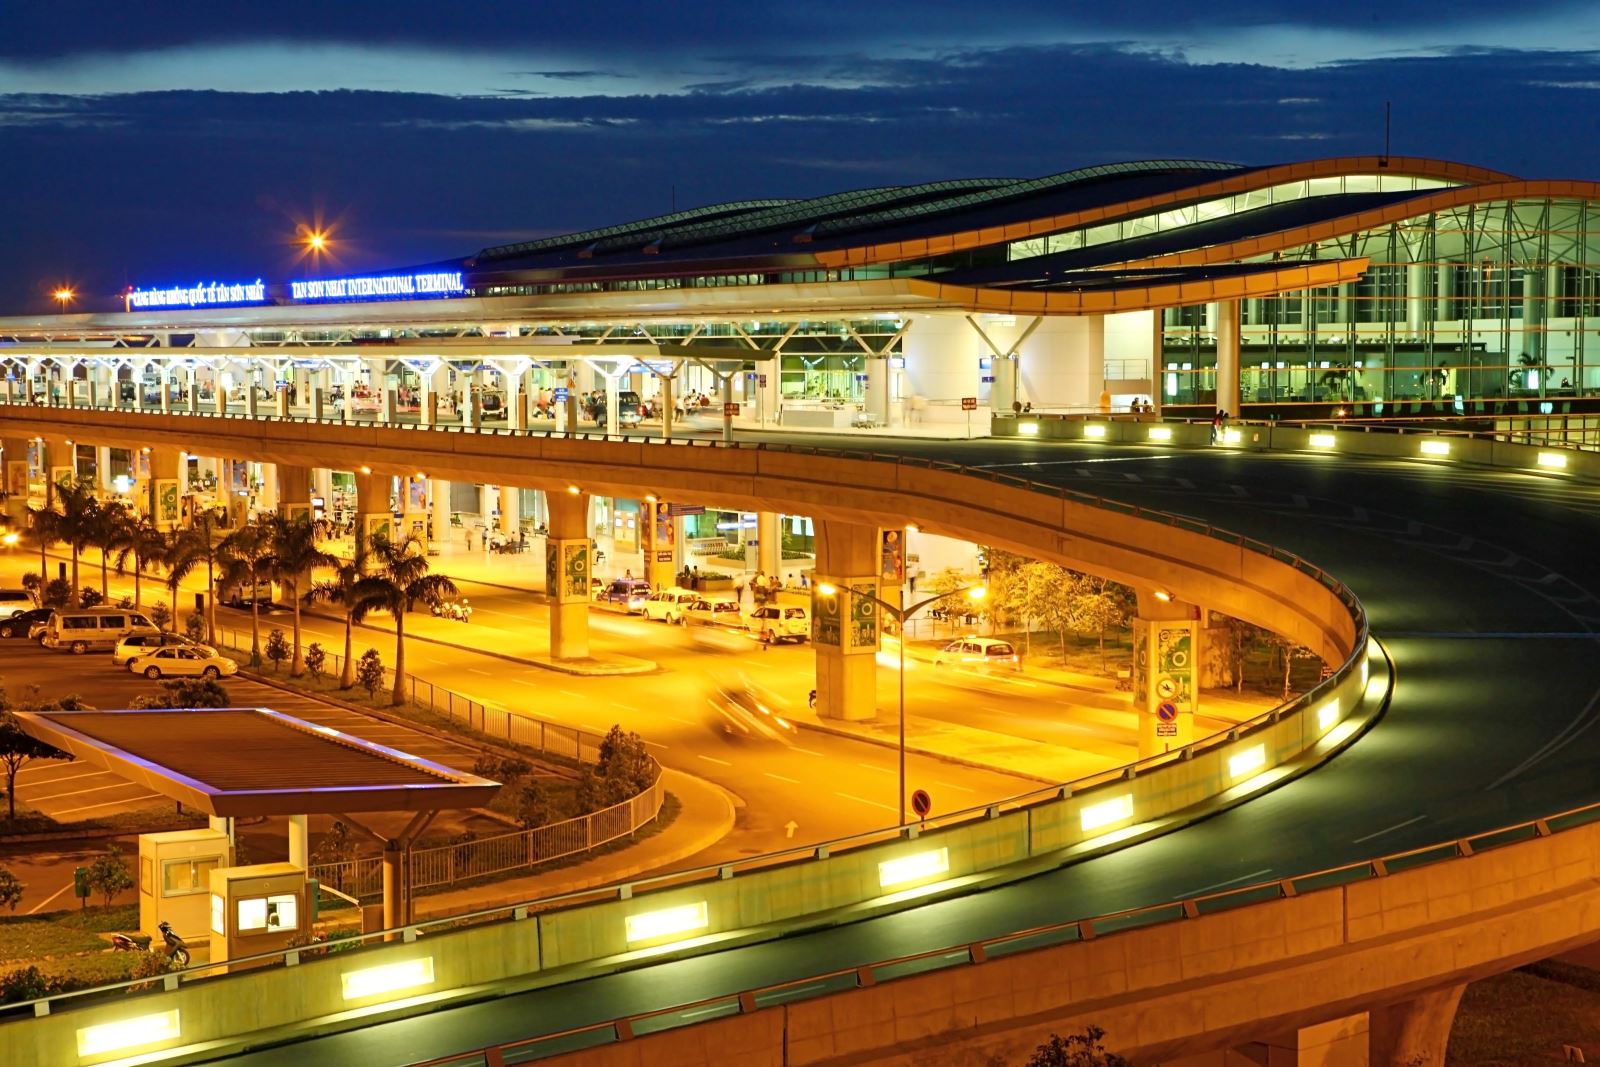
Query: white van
x=80 y=629
x=14 y=602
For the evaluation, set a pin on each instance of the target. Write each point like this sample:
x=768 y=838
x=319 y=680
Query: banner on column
x=17 y=477
x=62 y=476
x=863 y=617
x=825 y=619
x=375 y=526
x=892 y=554
x=167 y=510
x=416 y=495
x=664 y=529
x=1174 y=665
x=566 y=570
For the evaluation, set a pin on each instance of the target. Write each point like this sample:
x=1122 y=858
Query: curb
x=942 y=757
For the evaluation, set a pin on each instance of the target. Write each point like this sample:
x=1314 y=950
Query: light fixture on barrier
x=128 y=1033
x=1435 y=447
x=1321 y=440
x=388 y=978
x=1247 y=762
x=1160 y=433
x=913 y=868
x=1552 y=461
x=667 y=922
x=1106 y=812
x=1094 y=429
x=1028 y=429
x=1327 y=715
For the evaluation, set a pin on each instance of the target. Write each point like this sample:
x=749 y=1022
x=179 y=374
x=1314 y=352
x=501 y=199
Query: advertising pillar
x=844 y=622
x=769 y=550
x=1166 y=691
x=440 y=504
x=567 y=567
x=660 y=543
x=373 y=515
x=294 y=491
x=15 y=455
x=166 y=487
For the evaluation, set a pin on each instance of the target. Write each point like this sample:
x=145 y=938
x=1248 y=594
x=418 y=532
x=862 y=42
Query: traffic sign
x=561 y=394
x=730 y=410
x=987 y=379
x=969 y=403
x=1166 y=729
x=921 y=803
x=761 y=380
x=685 y=509
x=1167 y=712
x=1166 y=689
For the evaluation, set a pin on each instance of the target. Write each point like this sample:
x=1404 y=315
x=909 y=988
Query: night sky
x=160 y=142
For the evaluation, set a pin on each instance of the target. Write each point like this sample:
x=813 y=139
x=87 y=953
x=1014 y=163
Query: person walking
x=1216 y=425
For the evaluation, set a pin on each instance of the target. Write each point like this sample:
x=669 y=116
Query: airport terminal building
x=1355 y=287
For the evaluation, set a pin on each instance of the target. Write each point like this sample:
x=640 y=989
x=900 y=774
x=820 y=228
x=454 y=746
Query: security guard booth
x=257 y=909
x=175 y=878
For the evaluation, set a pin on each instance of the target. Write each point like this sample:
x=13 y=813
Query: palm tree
x=399 y=578
x=105 y=531
x=341 y=590
x=46 y=526
x=76 y=522
x=246 y=556
x=295 y=556
x=187 y=550
x=139 y=537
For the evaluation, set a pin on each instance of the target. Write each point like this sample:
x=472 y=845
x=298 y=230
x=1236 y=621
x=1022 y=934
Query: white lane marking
x=79 y=792
x=875 y=767
x=105 y=804
x=1389 y=830
x=807 y=752
x=570 y=693
x=39 y=906
x=629 y=707
x=1220 y=885
x=680 y=722
x=781 y=778
x=524 y=681
x=713 y=759
x=859 y=800
x=475 y=670
x=957 y=788
x=656 y=744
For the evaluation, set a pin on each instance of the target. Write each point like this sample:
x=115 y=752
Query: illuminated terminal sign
x=380 y=287
x=198 y=296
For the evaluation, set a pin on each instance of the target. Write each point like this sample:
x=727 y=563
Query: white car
x=713 y=613
x=667 y=605
x=133 y=646
x=779 y=622
x=180 y=662
x=982 y=653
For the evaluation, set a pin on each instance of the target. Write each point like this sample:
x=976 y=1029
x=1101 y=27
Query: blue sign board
x=199 y=295
x=988 y=379
x=561 y=394
x=380 y=287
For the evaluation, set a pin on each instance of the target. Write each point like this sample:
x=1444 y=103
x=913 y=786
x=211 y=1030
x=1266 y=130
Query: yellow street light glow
x=9 y=539
x=1028 y=429
x=649 y=925
x=1327 y=715
x=574 y=490
x=1247 y=762
x=129 y=1033
x=913 y=868
x=1553 y=460
x=827 y=589
x=650 y=498
x=1093 y=429
x=1231 y=437
x=63 y=295
x=1161 y=594
x=1322 y=440
x=389 y=978
x=366 y=470
x=977 y=592
x=1160 y=433
x=1435 y=447
x=1107 y=812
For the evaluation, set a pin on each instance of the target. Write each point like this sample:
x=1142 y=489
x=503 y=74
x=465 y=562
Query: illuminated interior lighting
x=1094 y=429
x=1435 y=447
x=1247 y=762
x=1160 y=433
x=129 y=1033
x=649 y=925
x=1107 y=812
x=574 y=490
x=1161 y=594
x=1327 y=715
x=913 y=868
x=389 y=978
x=1553 y=460
x=1231 y=437
x=1322 y=440
x=1028 y=429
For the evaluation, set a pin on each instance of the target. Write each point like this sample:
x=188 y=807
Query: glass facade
x=1497 y=301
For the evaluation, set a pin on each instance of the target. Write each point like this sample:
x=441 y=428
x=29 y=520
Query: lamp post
x=901 y=613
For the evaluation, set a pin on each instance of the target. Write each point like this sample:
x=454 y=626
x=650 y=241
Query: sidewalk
x=705 y=816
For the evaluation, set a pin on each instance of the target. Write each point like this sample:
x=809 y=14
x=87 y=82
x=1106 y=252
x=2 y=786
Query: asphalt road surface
x=1482 y=585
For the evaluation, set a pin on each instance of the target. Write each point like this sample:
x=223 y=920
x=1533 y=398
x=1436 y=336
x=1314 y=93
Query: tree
x=33 y=585
x=45 y=526
x=316 y=660
x=186 y=693
x=369 y=672
x=11 y=889
x=398 y=579
x=623 y=756
x=78 y=521
x=277 y=648
x=17 y=749
x=341 y=590
x=138 y=537
x=296 y=557
x=57 y=593
x=1093 y=608
x=186 y=551
x=194 y=627
x=107 y=526
x=108 y=875
x=533 y=805
x=161 y=615
x=247 y=561
x=1076 y=1050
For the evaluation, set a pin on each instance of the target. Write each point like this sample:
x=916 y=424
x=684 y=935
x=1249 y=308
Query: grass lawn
x=1526 y=1015
x=150 y=819
x=62 y=933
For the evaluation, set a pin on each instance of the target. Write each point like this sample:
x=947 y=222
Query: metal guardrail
x=819 y=852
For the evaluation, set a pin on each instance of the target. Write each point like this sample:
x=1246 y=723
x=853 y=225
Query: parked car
x=132 y=647
x=20 y=624
x=983 y=653
x=629 y=594
x=183 y=662
x=668 y=604
x=80 y=629
x=713 y=613
x=14 y=602
x=777 y=622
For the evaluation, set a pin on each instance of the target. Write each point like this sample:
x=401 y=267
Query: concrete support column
x=1165 y=682
x=299 y=852
x=658 y=538
x=1414 y=1033
x=510 y=510
x=439 y=492
x=15 y=450
x=941 y=353
x=1336 y=1043
x=373 y=517
x=567 y=568
x=294 y=491
x=769 y=552
x=611 y=405
x=845 y=626
x=516 y=402
x=1228 y=356
x=167 y=485
x=668 y=411
x=1062 y=363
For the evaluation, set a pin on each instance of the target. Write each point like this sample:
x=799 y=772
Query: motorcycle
x=459 y=610
x=172 y=946
x=177 y=951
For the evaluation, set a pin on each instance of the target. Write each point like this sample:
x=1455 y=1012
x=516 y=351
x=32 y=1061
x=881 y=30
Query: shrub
x=161 y=615
x=533 y=805
x=186 y=693
x=108 y=875
x=369 y=671
x=31 y=584
x=194 y=626
x=316 y=660
x=90 y=598
x=1075 y=1050
x=507 y=770
x=11 y=888
x=29 y=983
x=277 y=648
x=125 y=603
x=57 y=593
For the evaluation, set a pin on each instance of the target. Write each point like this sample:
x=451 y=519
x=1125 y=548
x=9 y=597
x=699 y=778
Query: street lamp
x=901 y=613
x=64 y=296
